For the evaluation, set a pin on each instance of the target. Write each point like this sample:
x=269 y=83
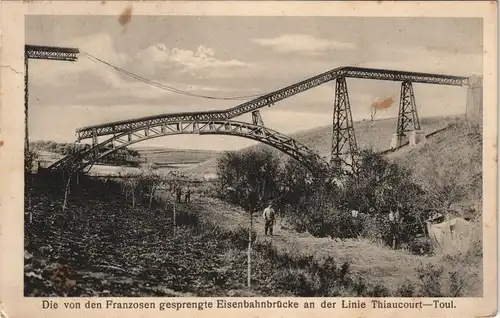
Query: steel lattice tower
x=408 y=116
x=257 y=118
x=344 y=146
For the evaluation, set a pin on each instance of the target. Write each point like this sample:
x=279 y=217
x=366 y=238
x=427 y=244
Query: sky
x=225 y=56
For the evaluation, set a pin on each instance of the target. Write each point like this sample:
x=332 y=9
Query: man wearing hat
x=268 y=216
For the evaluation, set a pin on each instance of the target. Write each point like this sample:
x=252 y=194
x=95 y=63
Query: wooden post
x=30 y=207
x=174 y=216
x=66 y=194
x=249 y=269
x=424 y=229
x=151 y=198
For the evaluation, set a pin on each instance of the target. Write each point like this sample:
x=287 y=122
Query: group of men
x=269 y=216
x=187 y=196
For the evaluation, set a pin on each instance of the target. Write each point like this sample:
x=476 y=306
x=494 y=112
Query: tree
x=443 y=185
x=30 y=158
x=382 y=186
x=252 y=177
x=151 y=180
x=373 y=112
x=380 y=104
x=130 y=185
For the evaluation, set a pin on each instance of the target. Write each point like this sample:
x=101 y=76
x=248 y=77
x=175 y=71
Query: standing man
x=188 y=195
x=178 y=193
x=268 y=216
x=394 y=227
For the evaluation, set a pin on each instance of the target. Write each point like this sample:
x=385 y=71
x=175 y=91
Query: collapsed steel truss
x=270 y=99
x=257 y=118
x=344 y=145
x=262 y=134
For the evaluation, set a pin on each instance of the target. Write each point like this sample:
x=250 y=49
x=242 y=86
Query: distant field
x=165 y=157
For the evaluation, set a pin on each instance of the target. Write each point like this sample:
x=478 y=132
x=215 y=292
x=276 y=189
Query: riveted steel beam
x=51 y=53
x=274 y=97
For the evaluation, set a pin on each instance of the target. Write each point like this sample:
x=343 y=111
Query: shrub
x=420 y=246
x=405 y=290
x=314 y=203
x=250 y=175
x=430 y=277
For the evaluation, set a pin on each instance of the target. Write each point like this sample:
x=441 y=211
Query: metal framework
x=257 y=118
x=42 y=53
x=51 y=53
x=408 y=116
x=289 y=146
x=344 y=145
x=270 y=99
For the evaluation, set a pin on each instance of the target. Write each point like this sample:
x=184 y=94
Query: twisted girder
x=51 y=53
x=265 y=135
x=270 y=99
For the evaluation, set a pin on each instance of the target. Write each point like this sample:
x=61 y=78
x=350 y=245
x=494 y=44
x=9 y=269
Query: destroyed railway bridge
x=109 y=137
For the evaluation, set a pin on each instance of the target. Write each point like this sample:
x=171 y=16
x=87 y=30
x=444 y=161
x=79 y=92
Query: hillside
x=456 y=157
x=374 y=135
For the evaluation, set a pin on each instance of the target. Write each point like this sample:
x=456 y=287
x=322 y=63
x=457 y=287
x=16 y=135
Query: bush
x=250 y=176
x=420 y=246
x=439 y=282
x=315 y=204
x=406 y=290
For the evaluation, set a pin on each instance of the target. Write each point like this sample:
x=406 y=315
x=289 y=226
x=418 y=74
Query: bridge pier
x=408 y=129
x=95 y=143
x=474 y=105
x=257 y=118
x=344 y=145
x=26 y=101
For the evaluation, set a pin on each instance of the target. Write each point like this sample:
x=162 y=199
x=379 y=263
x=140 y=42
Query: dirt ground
x=380 y=264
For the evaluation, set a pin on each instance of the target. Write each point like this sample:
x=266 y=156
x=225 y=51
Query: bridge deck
x=271 y=98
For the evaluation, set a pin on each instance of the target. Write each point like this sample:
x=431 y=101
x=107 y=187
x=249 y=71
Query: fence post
x=174 y=217
x=249 y=269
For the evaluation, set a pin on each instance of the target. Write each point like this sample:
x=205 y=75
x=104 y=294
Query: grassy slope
x=376 y=264
x=374 y=135
x=453 y=153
